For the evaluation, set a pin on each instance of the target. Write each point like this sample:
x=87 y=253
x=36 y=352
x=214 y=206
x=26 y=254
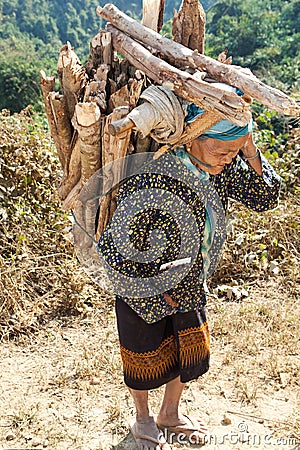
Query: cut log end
x=119 y=126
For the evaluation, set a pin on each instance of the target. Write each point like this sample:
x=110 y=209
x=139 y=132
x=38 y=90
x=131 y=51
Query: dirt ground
x=62 y=388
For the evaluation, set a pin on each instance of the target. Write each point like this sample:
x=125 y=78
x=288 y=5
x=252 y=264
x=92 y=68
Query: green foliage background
x=261 y=34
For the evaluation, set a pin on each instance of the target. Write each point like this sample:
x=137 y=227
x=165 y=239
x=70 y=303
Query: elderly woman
x=164 y=338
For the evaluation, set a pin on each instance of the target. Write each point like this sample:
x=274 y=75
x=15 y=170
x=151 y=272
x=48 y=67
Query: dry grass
x=40 y=278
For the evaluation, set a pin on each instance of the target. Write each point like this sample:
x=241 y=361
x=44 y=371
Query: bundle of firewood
x=92 y=122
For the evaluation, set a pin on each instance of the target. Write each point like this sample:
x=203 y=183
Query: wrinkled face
x=216 y=153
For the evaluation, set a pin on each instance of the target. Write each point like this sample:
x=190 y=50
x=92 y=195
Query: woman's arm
x=252 y=180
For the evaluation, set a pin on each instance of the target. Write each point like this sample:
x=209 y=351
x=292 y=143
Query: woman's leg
x=144 y=429
x=169 y=410
x=169 y=416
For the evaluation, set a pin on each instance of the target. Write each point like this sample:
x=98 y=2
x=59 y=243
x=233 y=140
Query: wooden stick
x=268 y=96
x=119 y=126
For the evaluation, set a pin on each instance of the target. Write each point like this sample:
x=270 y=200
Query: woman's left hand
x=250 y=149
x=252 y=155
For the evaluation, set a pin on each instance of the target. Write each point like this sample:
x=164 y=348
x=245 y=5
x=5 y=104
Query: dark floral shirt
x=237 y=181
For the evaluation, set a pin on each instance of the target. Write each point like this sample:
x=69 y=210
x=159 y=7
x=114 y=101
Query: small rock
x=251 y=258
x=36 y=442
x=261 y=421
x=28 y=437
x=284 y=378
x=227 y=420
x=240 y=239
x=274 y=268
x=244 y=292
x=10 y=437
x=95 y=381
x=45 y=443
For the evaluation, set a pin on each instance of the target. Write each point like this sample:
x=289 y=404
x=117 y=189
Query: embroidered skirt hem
x=153 y=354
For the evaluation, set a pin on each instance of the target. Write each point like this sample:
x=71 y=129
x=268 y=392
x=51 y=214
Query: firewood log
x=268 y=96
x=74 y=172
x=153 y=14
x=188 y=26
x=113 y=148
x=54 y=117
x=72 y=76
x=190 y=87
x=62 y=129
x=86 y=121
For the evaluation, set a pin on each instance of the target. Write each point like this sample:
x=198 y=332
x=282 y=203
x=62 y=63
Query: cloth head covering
x=223 y=130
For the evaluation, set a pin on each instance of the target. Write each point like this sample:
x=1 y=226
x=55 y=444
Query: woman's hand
x=170 y=301
x=250 y=149
x=252 y=155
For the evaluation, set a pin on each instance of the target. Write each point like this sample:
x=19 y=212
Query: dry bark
x=188 y=26
x=188 y=86
x=268 y=96
x=87 y=123
x=113 y=148
x=48 y=86
x=62 y=129
x=74 y=172
x=153 y=14
x=119 y=98
x=58 y=119
x=72 y=76
x=100 y=51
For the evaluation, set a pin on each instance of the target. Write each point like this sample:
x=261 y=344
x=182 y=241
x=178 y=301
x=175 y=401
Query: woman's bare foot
x=195 y=430
x=147 y=435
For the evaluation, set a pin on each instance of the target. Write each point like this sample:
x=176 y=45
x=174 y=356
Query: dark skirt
x=153 y=354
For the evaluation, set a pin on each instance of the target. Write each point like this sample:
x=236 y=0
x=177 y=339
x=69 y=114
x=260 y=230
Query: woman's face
x=216 y=153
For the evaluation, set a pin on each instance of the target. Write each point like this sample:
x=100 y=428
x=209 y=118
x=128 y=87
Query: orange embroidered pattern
x=194 y=345
x=150 y=365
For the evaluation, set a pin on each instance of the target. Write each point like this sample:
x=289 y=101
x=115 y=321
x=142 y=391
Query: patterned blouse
x=237 y=181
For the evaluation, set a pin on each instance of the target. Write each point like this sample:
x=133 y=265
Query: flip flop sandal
x=138 y=436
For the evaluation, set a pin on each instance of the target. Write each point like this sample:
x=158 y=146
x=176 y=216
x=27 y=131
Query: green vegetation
x=261 y=34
